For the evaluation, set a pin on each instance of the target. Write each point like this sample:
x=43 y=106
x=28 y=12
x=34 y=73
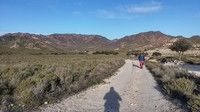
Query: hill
x=144 y=39
x=51 y=43
x=37 y=43
x=195 y=39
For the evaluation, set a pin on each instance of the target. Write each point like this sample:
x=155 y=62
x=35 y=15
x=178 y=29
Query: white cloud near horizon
x=143 y=8
x=126 y=11
x=130 y=11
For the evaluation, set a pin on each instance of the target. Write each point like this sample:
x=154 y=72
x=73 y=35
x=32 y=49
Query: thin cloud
x=130 y=11
x=78 y=13
x=108 y=14
x=143 y=8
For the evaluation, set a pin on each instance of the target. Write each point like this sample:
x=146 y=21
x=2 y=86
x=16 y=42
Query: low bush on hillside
x=106 y=52
x=178 y=83
x=45 y=79
x=156 y=54
x=136 y=53
x=165 y=59
x=192 y=60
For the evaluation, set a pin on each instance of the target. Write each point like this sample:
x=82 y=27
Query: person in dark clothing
x=141 y=59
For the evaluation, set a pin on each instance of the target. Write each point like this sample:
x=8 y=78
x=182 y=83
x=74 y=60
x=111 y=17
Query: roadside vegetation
x=106 y=52
x=195 y=60
x=180 y=46
x=28 y=81
x=177 y=83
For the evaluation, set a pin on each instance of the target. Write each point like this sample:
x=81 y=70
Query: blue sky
x=109 y=18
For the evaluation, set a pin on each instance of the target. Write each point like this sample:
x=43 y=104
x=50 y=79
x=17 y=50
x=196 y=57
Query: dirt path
x=130 y=90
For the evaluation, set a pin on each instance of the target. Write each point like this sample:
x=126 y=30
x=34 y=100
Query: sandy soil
x=131 y=90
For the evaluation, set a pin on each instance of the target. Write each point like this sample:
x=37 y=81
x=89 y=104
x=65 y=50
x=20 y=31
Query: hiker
x=141 y=59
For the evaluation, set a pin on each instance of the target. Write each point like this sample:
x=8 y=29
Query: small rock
x=45 y=102
x=11 y=105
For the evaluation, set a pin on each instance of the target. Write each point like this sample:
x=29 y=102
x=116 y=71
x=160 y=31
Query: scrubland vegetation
x=177 y=83
x=27 y=81
x=192 y=59
x=106 y=52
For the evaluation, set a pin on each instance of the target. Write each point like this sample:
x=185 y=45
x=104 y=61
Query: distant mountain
x=195 y=39
x=79 y=42
x=53 y=42
x=25 y=41
x=144 y=39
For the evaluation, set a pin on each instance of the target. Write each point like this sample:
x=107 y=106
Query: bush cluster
x=192 y=60
x=167 y=59
x=134 y=52
x=106 y=52
x=156 y=54
x=27 y=85
x=177 y=83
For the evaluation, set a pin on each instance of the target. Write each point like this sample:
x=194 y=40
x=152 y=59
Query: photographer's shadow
x=112 y=99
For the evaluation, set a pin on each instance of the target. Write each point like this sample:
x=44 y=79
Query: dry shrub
x=178 y=83
x=194 y=103
x=49 y=78
x=181 y=87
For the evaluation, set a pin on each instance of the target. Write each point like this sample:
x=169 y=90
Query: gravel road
x=131 y=89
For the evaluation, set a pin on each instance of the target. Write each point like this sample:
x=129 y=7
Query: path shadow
x=136 y=66
x=112 y=99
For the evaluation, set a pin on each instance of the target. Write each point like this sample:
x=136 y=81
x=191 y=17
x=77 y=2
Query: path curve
x=136 y=89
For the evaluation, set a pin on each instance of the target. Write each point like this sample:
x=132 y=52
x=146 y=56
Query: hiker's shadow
x=112 y=99
x=136 y=66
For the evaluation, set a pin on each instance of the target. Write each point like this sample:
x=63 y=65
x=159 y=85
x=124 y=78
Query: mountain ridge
x=80 y=42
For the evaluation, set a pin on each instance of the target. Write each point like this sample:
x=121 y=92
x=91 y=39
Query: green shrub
x=182 y=86
x=177 y=83
x=192 y=60
x=29 y=71
x=37 y=88
x=180 y=46
x=134 y=52
x=167 y=59
x=156 y=54
x=151 y=65
x=194 y=103
x=9 y=105
x=30 y=80
x=24 y=95
x=106 y=52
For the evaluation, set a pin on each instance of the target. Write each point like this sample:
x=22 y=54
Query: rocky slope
x=148 y=39
x=80 y=42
